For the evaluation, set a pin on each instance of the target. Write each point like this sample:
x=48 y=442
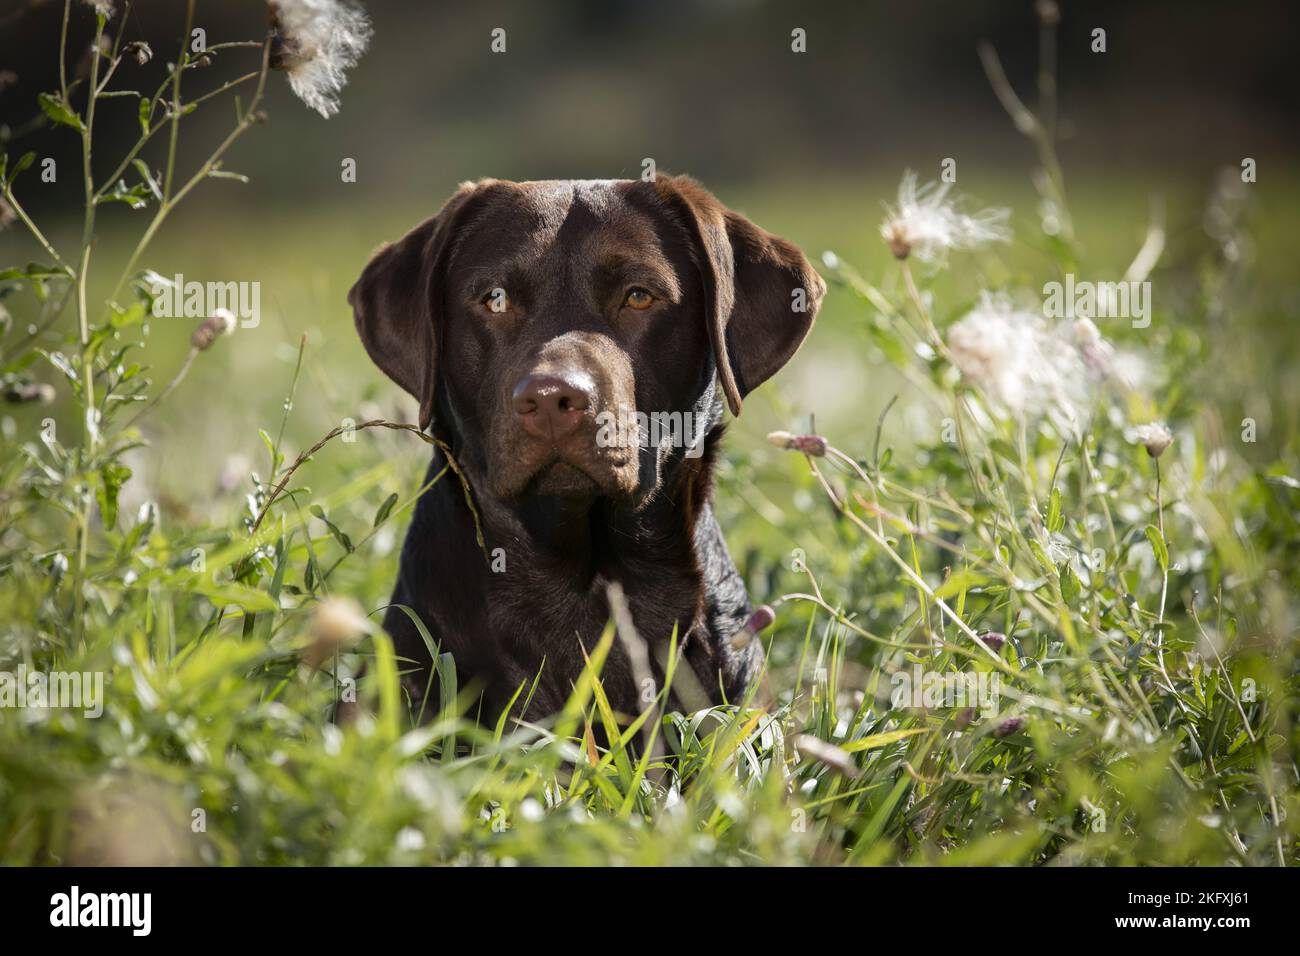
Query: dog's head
x=569 y=334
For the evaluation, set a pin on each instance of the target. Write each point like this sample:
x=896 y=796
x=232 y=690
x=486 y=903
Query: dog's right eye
x=639 y=299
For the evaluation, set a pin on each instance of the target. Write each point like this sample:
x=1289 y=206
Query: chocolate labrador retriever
x=567 y=341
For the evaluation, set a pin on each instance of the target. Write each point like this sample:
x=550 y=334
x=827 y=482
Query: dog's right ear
x=397 y=302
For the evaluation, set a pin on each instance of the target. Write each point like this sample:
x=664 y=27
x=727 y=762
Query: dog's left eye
x=496 y=301
x=638 y=299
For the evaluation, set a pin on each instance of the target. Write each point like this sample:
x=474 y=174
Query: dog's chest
x=537 y=612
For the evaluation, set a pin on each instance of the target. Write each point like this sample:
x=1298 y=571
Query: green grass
x=1132 y=728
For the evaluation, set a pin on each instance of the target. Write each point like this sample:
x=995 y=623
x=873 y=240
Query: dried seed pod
x=221 y=322
x=1008 y=726
x=834 y=757
x=335 y=624
x=142 y=52
x=760 y=620
x=21 y=392
x=814 y=445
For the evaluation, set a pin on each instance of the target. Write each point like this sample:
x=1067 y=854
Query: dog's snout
x=552 y=405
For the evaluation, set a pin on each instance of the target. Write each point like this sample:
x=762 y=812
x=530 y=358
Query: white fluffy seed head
x=316 y=42
x=927 y=224
x=1020 y=364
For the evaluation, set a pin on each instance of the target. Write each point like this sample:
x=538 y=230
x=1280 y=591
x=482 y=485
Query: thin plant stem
x=1164 y=587
x=246 y=120
x=1033 y=127
x=39 y=236
x=90 y=422
x=376 y=423
x=915 y=294
x=176 y=102
x=63 y=51
x=146 y=137
x=167 y=389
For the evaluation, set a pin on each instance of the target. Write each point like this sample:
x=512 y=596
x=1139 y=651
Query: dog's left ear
x=397 y=302
x=761 y=294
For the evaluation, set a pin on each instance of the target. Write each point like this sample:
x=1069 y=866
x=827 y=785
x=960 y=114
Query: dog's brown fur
x=570 y=515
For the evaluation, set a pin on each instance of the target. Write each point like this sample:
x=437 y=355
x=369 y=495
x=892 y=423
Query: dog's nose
x=552 y=406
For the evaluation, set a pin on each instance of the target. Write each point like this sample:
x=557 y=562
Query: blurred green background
x=808 y=145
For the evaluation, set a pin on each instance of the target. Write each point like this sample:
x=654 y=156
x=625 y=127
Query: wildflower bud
x=283 y=54
x=1155 y=438
x=899 y=244
x=202 y=61
x=760 y=620
x=994 y=639
x=1008 y=726
x=22 y=392
x=220 y=323
x=814 y=445
x=964 y=717
x=1049 y=13
x=335 y=623
x=103 y=8
x=830 y=755
x=142 y=52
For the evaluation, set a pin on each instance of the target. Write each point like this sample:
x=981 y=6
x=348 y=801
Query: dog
x=530 y=321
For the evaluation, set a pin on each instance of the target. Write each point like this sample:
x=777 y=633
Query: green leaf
x=136 y=196
x=248 y=598
x=1040 y=555
x=23 y=162
x=132 y=315
x=1158 y=546
x=270 y=447
x=143 y=169
x=334 y=530
x=112 y=477
x=1069 y=583
x=389 y=724
x=385 y=509
x=33 y=271
x=958 y=582
x=879 y=740
x=1055 y=520
x=223 y=174
x=57 y=109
